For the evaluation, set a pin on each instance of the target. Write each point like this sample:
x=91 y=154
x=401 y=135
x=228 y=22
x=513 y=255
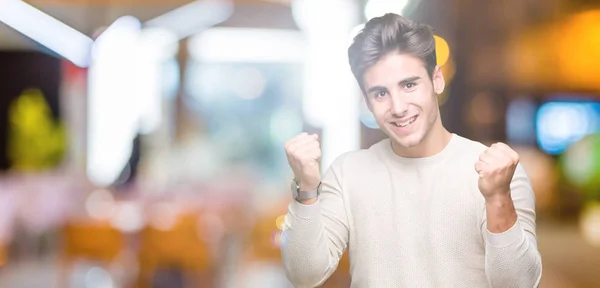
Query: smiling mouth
x=405 y=123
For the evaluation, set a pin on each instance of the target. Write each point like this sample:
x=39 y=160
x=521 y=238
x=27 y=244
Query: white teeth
x=405 y=123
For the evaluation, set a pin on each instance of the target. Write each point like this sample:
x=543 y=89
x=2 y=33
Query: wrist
x=305 y=193
x=308 y=187
x=500 y=213
x=310 y=201
x=498 y=198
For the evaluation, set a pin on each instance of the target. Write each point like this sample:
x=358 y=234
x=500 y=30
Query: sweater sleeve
x=511 y=257
x=315 y=236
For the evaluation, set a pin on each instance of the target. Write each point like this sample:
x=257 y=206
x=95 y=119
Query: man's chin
x=407 y=141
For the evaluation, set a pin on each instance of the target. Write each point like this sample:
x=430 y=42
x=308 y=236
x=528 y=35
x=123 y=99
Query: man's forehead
x=393 y=77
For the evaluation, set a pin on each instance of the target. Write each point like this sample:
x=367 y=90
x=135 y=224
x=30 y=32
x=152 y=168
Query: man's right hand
x=303 y=154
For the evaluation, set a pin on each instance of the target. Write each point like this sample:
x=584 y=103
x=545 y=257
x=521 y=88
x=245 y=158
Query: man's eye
x=410 y=85
x=380 y=94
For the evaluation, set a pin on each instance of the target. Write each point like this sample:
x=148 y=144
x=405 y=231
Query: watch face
x=295 y=188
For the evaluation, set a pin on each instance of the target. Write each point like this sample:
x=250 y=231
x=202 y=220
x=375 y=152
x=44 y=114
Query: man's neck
x=432 y=144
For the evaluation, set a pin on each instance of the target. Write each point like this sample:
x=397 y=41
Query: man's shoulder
x=468 y=146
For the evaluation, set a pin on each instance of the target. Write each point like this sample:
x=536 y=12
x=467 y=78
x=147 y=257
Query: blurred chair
x=3 y=255
x=179 y=250
x=260 y=264
x=265 y=243
x=92 y=241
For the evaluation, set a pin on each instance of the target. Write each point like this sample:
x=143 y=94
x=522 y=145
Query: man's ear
x=438 y=80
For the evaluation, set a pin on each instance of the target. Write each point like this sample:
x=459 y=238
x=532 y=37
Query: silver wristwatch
x=304 y=195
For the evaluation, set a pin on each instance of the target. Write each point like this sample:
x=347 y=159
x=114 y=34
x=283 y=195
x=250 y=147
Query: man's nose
x=399 y=106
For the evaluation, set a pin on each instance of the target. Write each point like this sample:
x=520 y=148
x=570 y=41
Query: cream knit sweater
x=410 y=222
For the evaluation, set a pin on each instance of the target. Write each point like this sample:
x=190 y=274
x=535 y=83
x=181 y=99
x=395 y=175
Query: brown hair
x=391 y=33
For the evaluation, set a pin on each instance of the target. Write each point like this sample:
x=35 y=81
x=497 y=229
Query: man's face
x=402 y=97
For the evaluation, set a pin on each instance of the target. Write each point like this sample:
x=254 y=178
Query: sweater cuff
x=506 y=238
x=305 y=211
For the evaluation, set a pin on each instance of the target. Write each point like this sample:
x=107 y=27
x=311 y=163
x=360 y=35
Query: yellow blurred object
x=93 y=241
x=577 y=50
x=265 y=238
x=35 y=141
x=180 y=246
x=442 y=50
x=341 y=277
x=279 y=222
x=560 y=55
x=448 y=70
x=97 y=241
x=3 y=256
x=344 y=265
x=447 y=64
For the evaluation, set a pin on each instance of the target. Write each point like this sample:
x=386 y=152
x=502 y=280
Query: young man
x=424 y=208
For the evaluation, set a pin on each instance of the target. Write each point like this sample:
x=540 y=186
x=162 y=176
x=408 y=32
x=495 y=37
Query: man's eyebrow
x=376 y=89
x=402 y=82
x=409 y=79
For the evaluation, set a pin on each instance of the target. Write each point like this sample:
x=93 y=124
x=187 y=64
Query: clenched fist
x=303 y=153
x=496 y=167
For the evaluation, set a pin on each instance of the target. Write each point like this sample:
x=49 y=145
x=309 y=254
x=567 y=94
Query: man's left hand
x=496 y=167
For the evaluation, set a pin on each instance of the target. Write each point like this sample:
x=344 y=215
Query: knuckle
x=290 y=149
x=294 y=154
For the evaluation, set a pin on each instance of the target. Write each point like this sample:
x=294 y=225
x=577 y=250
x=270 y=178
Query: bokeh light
x=581 y=164
x=590 y=223
x=442 y=50
x=559 y=124
x=100 y=204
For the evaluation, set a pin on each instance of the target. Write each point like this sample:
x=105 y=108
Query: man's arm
x=315 y=234
x=511 y=255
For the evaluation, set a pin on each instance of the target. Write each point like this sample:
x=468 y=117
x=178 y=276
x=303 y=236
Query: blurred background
x=141 y=141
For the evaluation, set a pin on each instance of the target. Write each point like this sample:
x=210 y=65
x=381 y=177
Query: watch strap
x=309 y=194
x=304 y=195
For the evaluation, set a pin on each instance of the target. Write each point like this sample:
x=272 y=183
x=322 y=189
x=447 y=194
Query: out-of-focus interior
x=141 y=141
